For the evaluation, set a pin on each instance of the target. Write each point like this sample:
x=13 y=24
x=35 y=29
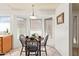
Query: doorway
x=75 y=44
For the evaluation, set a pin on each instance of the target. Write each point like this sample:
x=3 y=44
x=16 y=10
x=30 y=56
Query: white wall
x=62 y=30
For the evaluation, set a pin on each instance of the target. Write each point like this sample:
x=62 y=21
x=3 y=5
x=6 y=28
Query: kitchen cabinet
x=5 y=43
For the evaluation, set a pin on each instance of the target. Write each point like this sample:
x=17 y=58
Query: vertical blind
x=36 y=26
x=21 y=26
x=48 y=27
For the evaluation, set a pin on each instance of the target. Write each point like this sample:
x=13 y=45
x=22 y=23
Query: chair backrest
x=22 y=39
x=45 y=40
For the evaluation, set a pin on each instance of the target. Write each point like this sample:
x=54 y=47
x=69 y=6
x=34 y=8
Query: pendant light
x=33 y=15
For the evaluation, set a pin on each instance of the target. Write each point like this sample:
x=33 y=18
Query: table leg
x=39 y=48
x=25 y=51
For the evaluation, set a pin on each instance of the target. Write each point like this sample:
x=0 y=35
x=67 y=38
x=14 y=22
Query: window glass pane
x=4 y=23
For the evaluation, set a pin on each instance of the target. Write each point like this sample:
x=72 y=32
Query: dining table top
x=31 y=38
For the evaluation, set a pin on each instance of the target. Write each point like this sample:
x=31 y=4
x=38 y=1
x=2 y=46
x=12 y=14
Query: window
x=48 y=27
x=4 y=23
x=36 y=26
x=21 y=26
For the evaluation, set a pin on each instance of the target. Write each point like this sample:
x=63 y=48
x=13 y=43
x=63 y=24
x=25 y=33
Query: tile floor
x=50 y=51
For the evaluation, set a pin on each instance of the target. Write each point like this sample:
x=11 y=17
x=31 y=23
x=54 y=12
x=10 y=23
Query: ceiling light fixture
x=33 y=15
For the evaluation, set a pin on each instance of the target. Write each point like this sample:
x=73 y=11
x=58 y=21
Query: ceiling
x=75 y=6
x=41 y=10
x=27 y=6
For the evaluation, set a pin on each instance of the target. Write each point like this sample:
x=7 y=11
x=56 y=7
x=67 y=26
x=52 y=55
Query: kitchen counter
x=5 y=43
x=5 y=35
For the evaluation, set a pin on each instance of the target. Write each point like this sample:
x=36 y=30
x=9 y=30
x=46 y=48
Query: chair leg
x=45 y=51
x=36 y=53
x=28 y=53
x=21 y=51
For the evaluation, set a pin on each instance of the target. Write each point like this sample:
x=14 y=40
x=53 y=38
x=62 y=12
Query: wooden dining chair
x=44 y=44
x=32 y=46
x=22 y=40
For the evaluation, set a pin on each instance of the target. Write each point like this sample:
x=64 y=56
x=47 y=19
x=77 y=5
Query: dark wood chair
x=22 y=40
x=32 y=46
x=44 y=44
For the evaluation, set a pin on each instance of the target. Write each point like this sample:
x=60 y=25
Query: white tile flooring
x=50 y=51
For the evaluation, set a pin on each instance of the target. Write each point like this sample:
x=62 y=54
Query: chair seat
x=32 y=48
